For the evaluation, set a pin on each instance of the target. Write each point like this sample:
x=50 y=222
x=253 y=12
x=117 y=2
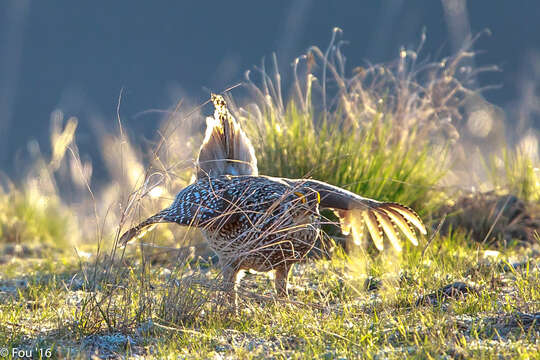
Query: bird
x=267 y=223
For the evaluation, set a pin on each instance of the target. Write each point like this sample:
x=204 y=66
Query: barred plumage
x=266 y=223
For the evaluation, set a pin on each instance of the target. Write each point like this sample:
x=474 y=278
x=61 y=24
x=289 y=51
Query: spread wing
x=356 y=213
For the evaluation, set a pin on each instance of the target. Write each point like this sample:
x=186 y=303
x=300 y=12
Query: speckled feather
x=259 y=221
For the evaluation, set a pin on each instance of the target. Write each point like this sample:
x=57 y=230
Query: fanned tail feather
x=226 y=150
x=382 y=220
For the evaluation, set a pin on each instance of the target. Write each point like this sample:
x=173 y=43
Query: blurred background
x=77 y=57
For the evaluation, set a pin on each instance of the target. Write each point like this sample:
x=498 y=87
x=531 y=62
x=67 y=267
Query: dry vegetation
x=397 y=131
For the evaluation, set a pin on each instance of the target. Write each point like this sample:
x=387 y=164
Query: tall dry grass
x=383 y=131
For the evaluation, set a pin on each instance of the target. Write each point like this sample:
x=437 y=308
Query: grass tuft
x=516 y=173
x=383 y=132
x=27 y=217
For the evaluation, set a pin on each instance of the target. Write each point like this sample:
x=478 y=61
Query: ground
x=447 y=298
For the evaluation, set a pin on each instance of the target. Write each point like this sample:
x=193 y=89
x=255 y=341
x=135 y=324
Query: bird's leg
x=282 y=279
x=230 y=282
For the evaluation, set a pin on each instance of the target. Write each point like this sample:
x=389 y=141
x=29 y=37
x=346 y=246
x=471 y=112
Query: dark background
x=78 y=55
